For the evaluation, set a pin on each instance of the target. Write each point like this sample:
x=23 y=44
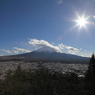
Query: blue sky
x=26 y=23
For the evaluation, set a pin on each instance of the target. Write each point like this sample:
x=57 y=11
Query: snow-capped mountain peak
x=47 y=50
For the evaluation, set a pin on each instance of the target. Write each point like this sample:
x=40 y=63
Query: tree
x=91 y=67
x=90 y=73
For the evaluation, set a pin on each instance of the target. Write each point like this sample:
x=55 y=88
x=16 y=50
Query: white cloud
x=8 y=51
x=71 y=52
x=93 y=16
x=85 y=56
x=43 y=44
x=82 y=55
x=1 y=55
x=46 y=45
x=70 y=49
x=61 y=46
x=59 y=1
x=22 y=50
x=13 y=51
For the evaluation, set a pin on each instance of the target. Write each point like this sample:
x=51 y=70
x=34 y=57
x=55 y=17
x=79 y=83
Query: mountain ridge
x=51 y=57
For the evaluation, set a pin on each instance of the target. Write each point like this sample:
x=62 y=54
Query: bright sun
x=81 y=21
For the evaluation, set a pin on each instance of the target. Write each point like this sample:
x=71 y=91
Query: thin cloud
x=13 y=51
x=70 y=49
x=93 y=16
x=84 y=50
x=8 y=51
x=22 y=50
x=71 y=52
x=59 y=38
x=93 y=23
x=59 y=1
x=1 y=55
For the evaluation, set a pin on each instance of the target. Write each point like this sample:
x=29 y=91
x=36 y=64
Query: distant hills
x=47 y=56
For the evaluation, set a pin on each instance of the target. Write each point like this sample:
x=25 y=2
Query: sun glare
x=81 y=21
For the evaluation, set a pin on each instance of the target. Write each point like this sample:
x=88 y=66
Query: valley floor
x=52 y=66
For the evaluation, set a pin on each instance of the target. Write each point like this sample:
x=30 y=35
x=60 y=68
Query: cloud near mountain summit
x=46 y=45
x=43 y=44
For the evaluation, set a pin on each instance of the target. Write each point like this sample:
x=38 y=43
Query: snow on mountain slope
x=47 y=50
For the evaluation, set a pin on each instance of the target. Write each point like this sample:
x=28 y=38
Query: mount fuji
x=50 y=55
